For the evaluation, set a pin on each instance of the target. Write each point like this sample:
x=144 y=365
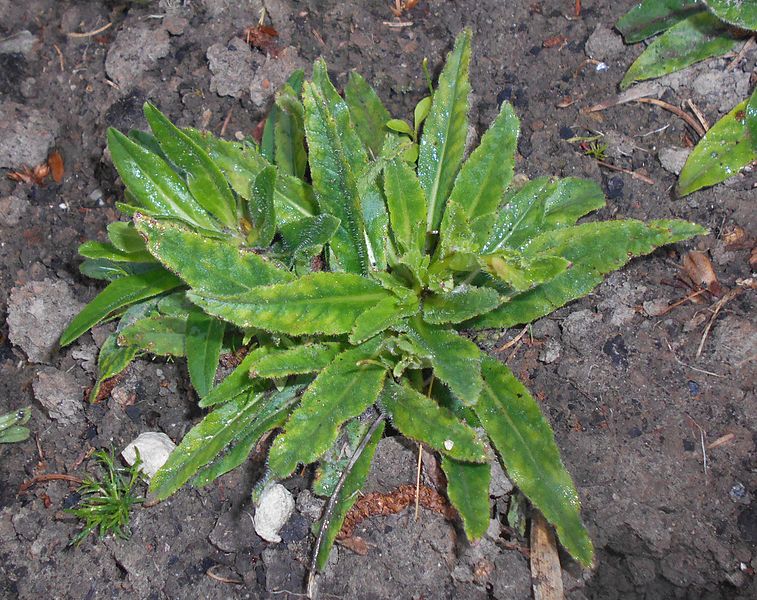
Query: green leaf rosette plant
x=341 y=260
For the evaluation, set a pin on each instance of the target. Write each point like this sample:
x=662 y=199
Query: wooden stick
x=75 y=34
x=546 y=574
x=690 y=121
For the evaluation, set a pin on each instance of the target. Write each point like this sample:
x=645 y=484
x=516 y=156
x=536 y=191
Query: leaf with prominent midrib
x=204 y=178
x=342 y=390
x=594 y=249
x=420 y=418
x=442 y=144
x=203 y=345
x=367 y=112
x=209 y=266
x=694 y=39
x=111 y=361
x=526 y=444
x=382 y=316
x=261 y=207
x=161 y=335
x=468 y=491
x=236 y=382
x=724 y=150
x=653 y=16
x=297 y=360
x=462 y=303
x=315 y=303
x=407 y=205
x=289 y=130
x=118 y=294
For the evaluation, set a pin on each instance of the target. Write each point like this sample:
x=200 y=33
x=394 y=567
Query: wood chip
x=546 y=574
x=697 y=266
x=723 y=439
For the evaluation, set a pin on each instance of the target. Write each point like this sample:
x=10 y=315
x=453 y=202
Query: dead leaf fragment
x=55 y=162
x=263 y=38
x=555 y=40
x=355 y=543
x=698 y=268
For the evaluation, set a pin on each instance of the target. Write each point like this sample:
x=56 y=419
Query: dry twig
x=94 y=32
x=717 y=307
x=634 y=174
x=690 y=121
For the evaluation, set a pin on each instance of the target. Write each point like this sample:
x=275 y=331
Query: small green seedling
x=343 y=267
x=11 y=425
x=106 y=504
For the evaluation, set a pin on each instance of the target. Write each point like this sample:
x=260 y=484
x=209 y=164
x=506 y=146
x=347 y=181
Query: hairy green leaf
x=237 y=382
x=155 y=185
x=694 y=39
x=407 y=205
x=384 y=314
x=207 y=265
x=594 y=249
x=203 y=348
x=162 y=335
x=541 y=205
x=333 y=462
x=205 y=441
x=111 y=361
x=289 y=132
x=456 y=361
x=462 y=303
x=204 y=179
x=468 y=491
x=342 y=390
x=297 y=360
x=261 y=208
x=367 y=112
x=526 y=444
x=522 y=273
x=118 y=294
x=315 y=303
x=724 y=150
x=741 y=13
x=420 y=418
x=649 y=17
x=442 y=144
x=307 y=236
x=100 y=250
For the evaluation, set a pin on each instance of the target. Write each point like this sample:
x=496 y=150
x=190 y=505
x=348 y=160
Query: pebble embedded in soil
x=26 y=135
x=60 y=394
x=19 y=43
x=499 y=484
x=154 y=448
x=232 y=66
x=673 y=159
x=12 y=208
x=273 y=511
x=604 y=44
x=38 y=312
x=135 y=50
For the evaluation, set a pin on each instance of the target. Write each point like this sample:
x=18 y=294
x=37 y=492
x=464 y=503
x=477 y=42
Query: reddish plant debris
x=555 y=40
x=401 y=6
x=698 y=268
x=357 y=544
x=55 y=162
x=263 y=38
x=383 y=504
x=37 y=175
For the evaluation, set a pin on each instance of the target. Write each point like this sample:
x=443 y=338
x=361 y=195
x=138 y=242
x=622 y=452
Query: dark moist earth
x=631 y=403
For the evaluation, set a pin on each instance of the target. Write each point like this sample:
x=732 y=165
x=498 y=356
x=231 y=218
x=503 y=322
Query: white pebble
x=273 y=511
x=154 y=448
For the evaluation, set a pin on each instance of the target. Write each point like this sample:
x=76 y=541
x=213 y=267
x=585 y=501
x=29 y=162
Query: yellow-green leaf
x=462 y=303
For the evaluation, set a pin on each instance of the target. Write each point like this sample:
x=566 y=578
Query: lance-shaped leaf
x=487 y=173
x=268 y=140
x=155 y=186
x=204 y=441
x=125 y=237
x=100 y=250
x=468 y=491
x=696 y=38
x=407 y=205
x=741 y=13
x=341 y=391
x=297 y=360
x=521 y=272
x=11 y=423
x=456 y=361
x=204 y=178
x=118 y=294
x=375 y=215
x=594 y=249
x=420 y=418
x=456 y=236
x=724 y=150
x=204 y=338
x=382 y=316
x=336 y=158
x=315 y=303
x=162 y=335
x=289 y=132
x=272 y=413
x=649 y=17
x=332 y=464
x=261 y=208
x=462 y=303
x=111 y=361
x=367 y=112
x=306 y=237
x=237 y=382
x=353 y=483
x=541 y=205
x=526 y=444
x=442 y=144
x=207 y=265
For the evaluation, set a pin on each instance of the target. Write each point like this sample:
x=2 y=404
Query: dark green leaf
x=100 y=250
x=526 y=444
x=297 y=360
x=118 y=294
x=332 y=464
x=367 y=113
x=462 y=303
x=692 y=40
x=724 y=150
x=204 y=179
x=162 y=335
x=262 y=213
x=204 y=341
x=420 y=418
x=315 y=303
x=307 y=236
x=468 y=491
x=289 y=133
x=521 y=272
x=341 y=391
x=407 y=205
x=442 y=144
x=111 y=361
x=741 y=13
x=653 y=16
x=237 y=382
x=384 y=314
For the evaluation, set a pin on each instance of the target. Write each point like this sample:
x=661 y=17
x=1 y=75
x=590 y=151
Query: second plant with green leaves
x=340 y=261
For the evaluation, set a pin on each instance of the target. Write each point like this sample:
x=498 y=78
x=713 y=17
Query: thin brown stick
x=716 y=309
x=683 y=364
x=513 y=341
x=699 y=115
x=418 y=482
x=211 y=573
x=48 y=477
x=226 y=122
x=633 y=174
x=723 y=439
x=690 y=121
x=681 y=301
x=61 y=62
x=741 y=54
x=75 y=34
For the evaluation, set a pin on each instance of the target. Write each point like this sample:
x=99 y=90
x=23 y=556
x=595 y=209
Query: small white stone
x=273 y=511
x=448 y=444
x=154 y=448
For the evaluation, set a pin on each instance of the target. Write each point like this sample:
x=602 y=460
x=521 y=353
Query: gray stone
x=673 y=159
x=174 y=24
x=394 y=464
x=154 y=448
x=60 y=394
x=233 y=67
x=309 y=505
x=604 y=44
x=273 y=73
x=233 y=531
x=26 y=135
x=282 y=571
x=578 y=326
x=550 y=352
x=38 y=312
x=12 y=208
x=19 y=43
x=273 y=511
x=499 y=485
x=135 y=50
